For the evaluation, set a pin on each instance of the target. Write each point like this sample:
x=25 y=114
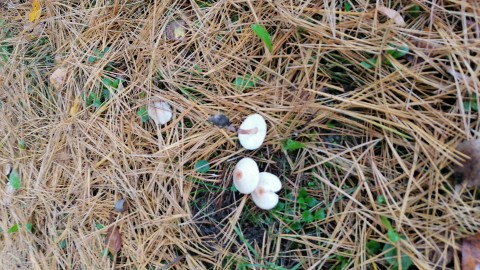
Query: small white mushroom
x=246 y=176
x=160 y=112
x=58 y=78
x=252 y=132
x=7 y=168
x=264 y=195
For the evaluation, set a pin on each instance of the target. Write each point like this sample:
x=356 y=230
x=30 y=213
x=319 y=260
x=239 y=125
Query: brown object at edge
x=114 y=238
x=471 y=252
x=470 y=171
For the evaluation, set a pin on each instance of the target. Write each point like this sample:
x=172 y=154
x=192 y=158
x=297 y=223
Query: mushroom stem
x=248 y=131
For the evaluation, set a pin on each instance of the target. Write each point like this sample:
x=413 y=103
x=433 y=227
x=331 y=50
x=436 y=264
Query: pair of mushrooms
x=246 y=176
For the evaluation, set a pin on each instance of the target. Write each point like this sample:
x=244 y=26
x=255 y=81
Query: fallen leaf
x=175 y=30
x=244 y=82
x=36 y=11
x=143 y=114
x=13 y=229
x=470 y=171
x=291 y=145
x=57 y=79
x=471 y=252
x=392 y=14
x=202 y=166
x=15 y=180
x=75 y=106
x=219 y=120
x=119 y=206
x=114 y=240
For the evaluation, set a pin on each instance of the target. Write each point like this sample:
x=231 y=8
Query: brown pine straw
x=388 y=131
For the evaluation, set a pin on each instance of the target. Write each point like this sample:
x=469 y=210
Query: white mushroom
x=246 y=176
x=58 y=78
x=7 y=168
x=252 y=132
x=264 y=195
x=160 y=112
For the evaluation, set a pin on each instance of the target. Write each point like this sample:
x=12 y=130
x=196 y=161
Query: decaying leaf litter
x=365 y=103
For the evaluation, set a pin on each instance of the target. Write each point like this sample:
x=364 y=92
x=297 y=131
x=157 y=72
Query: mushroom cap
x=160 y=112
x=246 y=176
x=264 y=200
x=264 y=195
x=270 y=182
x=7 y=168
x=253 y=141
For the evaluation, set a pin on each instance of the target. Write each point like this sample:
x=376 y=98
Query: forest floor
x=365 y=104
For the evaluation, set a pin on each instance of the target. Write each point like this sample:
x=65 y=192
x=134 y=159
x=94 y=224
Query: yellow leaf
x=36 y=11
x=75 y=107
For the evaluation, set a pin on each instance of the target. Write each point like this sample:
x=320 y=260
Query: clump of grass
x=363 y=118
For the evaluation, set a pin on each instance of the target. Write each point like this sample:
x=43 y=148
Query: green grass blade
x=263 y=34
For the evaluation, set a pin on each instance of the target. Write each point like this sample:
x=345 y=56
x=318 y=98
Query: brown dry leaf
x=470 y=171
x=114 y=240
x=57 y=79
x=471 y=252
x=392 y=14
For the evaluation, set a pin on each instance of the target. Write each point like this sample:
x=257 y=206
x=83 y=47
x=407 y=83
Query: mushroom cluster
x=246 y=176
x=247 y=179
